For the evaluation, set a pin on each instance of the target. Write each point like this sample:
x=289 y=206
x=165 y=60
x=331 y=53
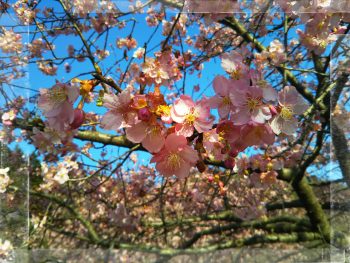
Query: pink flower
x=290 y=103
x=8 y=117
x=151 y=135
x=249 y=106
x=60 y=96
x=222 y=87
x=189 y=114
x=57 y=105
x=233 y=64
x=120 y=114
x=176 y=158
x=139 y=53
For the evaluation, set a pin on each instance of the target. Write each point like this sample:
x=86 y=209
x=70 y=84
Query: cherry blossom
x=120 y=114
x=249 y=105
x=150 y=134
x=8 y=117
x=212 y=143
x=139 y=53
x=290 y=104
x=57 y=104
x=222 y=102
x=176 y=157
x=233 y=64
x=83 y=7
x=10 y=42
x=189 y=115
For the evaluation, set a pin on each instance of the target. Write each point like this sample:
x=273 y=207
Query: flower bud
x=78 y=120
x=144 y=114
x=229 y=163
x=273 y=110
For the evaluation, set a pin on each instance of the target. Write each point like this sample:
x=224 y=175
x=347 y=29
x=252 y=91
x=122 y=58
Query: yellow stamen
x=269 y=166
x=163 y=110
x=286 y=113
x=252 y=103
x=236 y=74
x=155 y=130
x=226 y=101
x=190 y=118
x=57 y=95
x=174 y=161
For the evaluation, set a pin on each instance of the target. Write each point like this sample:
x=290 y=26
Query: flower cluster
x=129 y=43
x=10 y=42
x=247 y=113
x=58 y=174
x=161 y=70
x=38 y=46
x=83 y=7
x=25 y=14
x=56 y=104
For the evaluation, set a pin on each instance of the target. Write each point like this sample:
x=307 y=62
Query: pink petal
x=269 y=93
x=112 y=121
x=241 y=117
x=110 y=101
x=289 y=127
x=73 y=93
x=189 y=155
x=224 y=110
x=221 y=85
x=163 y=169
x=261 y=114
x=137 y=132
x=153 y=142
x=202 y=126
x=183 y=170
x=183 y=105
x=175 y=117
x=214 y=102
x=276 y=125
x=174 y=142
x=184 y=129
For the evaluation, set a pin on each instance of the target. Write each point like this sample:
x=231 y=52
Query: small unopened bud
x=229 y=163
x=233 y=152
x=78 y=120
x=144 y=114
x=273 y=110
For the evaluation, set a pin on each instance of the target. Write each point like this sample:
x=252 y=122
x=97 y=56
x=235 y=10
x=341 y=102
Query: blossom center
x=253 y=103
x=174 y=161
x=155 y=130
x=163 y=110
x=191 y=117
x=236 y=74
x=286 y=113
x=262 y=83
x=57 y=95
x=226 y=101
